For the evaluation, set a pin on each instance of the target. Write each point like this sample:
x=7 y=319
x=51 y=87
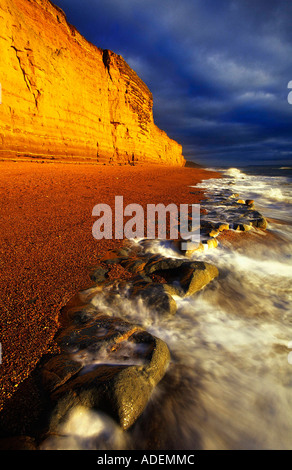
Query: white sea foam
x=273 y=194
x=87 y=429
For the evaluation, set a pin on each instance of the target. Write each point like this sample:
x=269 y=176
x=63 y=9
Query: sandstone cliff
x=65 y=99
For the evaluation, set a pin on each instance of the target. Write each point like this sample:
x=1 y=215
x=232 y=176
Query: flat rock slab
x=107 y=364
x=181 y=278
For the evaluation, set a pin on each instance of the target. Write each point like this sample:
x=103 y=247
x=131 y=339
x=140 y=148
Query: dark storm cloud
x=218 y=69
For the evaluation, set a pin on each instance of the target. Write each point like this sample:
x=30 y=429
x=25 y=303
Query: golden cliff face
x=65 y=99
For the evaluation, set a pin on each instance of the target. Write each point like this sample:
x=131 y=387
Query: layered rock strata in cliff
x=65 y=99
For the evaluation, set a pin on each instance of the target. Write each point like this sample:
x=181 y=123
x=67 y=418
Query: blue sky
x=218 y=70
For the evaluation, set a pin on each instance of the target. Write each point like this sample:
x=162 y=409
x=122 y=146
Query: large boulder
x=156 y=296
x=196 y=276
x=183 y=277
x=108 y=364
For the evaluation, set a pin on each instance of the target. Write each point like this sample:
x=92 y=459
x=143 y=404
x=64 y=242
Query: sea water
x=229 y=383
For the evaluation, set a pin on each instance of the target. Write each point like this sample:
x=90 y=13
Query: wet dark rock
x=112 y=261
x=157 y=297
x=99 y=275
x=254 y=214
x=260 y=222
x=112 y=257
x=161 y=263
x=134 y=265
x=141 y=278
x=119 y=390
x=196 y=276
x=81 y=315
x=244 y=226
x=212 y=228
x=132 y=388
x=58 y=370
x=107 y=364
x=182 y=277
x=249 y=202
x=127 y=249
x=99 y=329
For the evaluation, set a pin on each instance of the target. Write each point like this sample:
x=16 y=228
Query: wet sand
x=47 y=247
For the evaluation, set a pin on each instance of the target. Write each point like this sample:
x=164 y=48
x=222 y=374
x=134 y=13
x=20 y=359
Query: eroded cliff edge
x=65 y=99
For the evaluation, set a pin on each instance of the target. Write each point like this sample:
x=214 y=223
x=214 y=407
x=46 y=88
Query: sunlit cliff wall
x=66 y=99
